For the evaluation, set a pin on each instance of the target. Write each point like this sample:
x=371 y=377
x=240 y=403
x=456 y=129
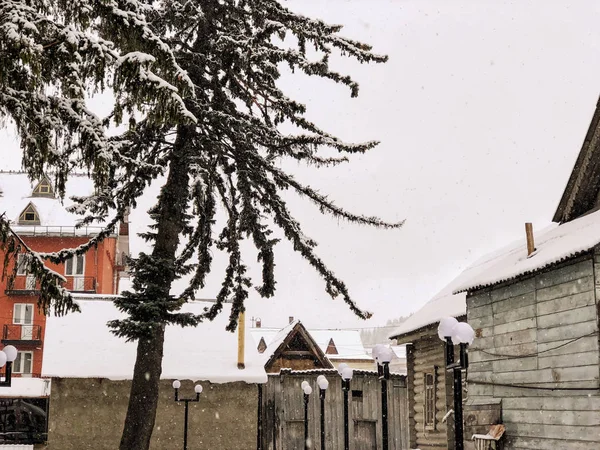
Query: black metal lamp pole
x=198 y=390
x=384 y=404
x=7 y=356
x=322 y=397
x=306 y=421
x=346 y=389
x=457 y=368
x=450 y=331
x=7 y=375
x=323 y=385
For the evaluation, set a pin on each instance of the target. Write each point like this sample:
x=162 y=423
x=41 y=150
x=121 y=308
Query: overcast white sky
x=480 y=111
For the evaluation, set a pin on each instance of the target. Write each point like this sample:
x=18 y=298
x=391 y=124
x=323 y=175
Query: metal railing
x=62 y=231
x=21 y=333
x=28 y=284
x=80 y=284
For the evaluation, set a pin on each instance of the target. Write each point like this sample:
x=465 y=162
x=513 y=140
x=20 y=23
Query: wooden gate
x=283 y=411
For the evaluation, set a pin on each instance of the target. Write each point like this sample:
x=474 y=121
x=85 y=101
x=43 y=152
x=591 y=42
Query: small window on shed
x=429 y=382
x=357 y=396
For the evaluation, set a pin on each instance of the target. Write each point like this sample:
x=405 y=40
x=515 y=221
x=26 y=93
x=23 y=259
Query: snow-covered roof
x=16 y=189
x=276 y=339
x=553 y=244
x=80 y=345
x=442 y=305
x=347 y=342
x=27 y=387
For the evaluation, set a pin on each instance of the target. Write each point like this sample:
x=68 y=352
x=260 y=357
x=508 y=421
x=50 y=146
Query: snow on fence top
x=26 y=387
x=80 y=345
x=554 y=244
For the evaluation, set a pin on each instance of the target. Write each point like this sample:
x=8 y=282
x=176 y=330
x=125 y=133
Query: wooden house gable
x=298 y=351
x=581 y=195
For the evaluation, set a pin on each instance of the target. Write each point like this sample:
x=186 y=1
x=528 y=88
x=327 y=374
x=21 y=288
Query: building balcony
x=26 y=285
x=22 y=335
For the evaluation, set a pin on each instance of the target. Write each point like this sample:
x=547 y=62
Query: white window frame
x=73 y=272
x=20 y=359
x=21 y=266
x=430 y=399
x=23 y=315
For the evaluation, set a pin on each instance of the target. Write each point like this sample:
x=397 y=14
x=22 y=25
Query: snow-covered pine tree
x=53 y=55
x=212 y=118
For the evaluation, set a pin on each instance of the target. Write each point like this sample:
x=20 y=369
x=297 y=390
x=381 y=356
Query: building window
x=23 y=314
x=29 y=216
x=43 y=189
x=75 y=265
x=24 y=363
x=429 y=400
x=22 y=266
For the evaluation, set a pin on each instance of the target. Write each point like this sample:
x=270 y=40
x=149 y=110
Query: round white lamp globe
x=11 y=352
x=198 y=389
x=176 y=384
x=323 y=383
x=347 y=373
x=377 y=351
x=320 y=377
x=386 y=355
x=446 y=327
x=2 y=359
x=341 y=368
x=463 y=333
x=304 y=384
x=307 y=390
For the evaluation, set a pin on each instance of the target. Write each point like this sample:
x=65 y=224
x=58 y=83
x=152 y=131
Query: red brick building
x=45 y=224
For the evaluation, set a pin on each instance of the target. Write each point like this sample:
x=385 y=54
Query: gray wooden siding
x=426 y=354
x=283 y=411
x=536 y=318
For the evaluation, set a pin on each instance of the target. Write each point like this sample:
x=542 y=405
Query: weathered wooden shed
x=293 y=347
x=283 y=411
x=536 y=355
x=430 y=391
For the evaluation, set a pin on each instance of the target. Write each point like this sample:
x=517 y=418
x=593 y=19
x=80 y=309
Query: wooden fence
x=283 y=411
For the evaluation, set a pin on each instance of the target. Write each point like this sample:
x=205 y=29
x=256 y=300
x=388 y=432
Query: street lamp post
x=346 y=373
x=323 y=385
x=383 y=356
x=454 y=332
x=198 y=390
x=307 y=391
x=7 y=357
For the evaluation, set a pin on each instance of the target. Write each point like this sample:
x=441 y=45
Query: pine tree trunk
x=171 y=210
x=143 y=398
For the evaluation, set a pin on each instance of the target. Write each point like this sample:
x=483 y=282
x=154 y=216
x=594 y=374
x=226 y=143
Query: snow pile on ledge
x=442 y=305
x=80 y=345
x=554 y=244
x=27 y=387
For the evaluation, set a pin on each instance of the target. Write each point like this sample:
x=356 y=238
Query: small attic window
x=43 y=189
x=331 y=348
x=29 y=216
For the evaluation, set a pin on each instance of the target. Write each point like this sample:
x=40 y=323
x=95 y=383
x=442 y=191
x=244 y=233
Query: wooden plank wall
x=283 y=411
x=426 y=354
x=533 y=321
